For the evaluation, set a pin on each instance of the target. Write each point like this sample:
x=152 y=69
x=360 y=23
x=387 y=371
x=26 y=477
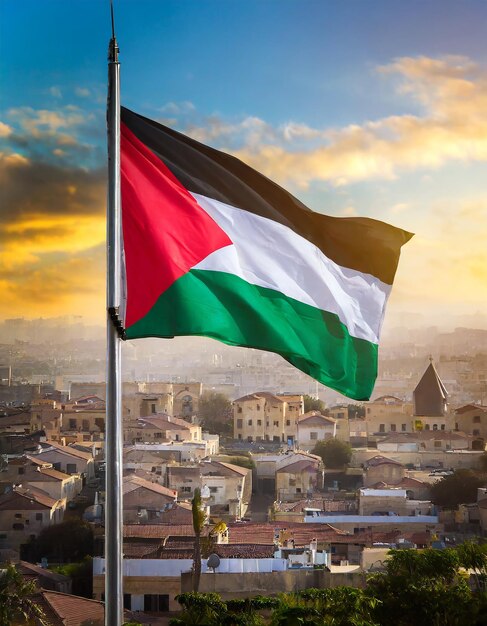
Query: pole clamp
x=113 y=312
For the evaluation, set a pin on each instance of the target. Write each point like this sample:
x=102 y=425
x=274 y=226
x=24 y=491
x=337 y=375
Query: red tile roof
x=131 y=483
x=298 y=467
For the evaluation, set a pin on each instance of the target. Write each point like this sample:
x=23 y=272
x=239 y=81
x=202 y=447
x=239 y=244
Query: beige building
x=225 y=488
x=314 y=427
x=143 y=500
x=381 y=469
x=264 y=416
x=472 y=420
x=67 y=459
x=29 y=471
x=298 y=479
x=46 y=415
x=388 y=414
x=159 y=428
x=24 y=513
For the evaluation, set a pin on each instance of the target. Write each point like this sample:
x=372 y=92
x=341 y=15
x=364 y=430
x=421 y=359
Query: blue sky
x=374 y=108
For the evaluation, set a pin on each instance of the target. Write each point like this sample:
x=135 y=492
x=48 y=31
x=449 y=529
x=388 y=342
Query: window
x=288 y=422
x=239 y=423
x=56 y=466
x=427 y=427
x=298 y=489
x=156 y=603
x=437 y=444
x=153 y=408
x=456 y=425
x=435 y=426
x=403 y=427
x=38 y=517
x=382 y=428
x=368 y=410
x=249 y=438
x=18 y=515
x=476 y=419
x=313 y=435
x=476 y=432
x=276 y=423
x=442 y=427
x=213 y=489
x=393 y=428
x=258 y=407
x=21 y=470
x=186 y=489
x=249 y=422
x=86 y=425
x=239 y=436
x=159 y=436
x=71 y=468
x=267 y=423
x=73 y=424
x=259 y=422
x=340 y=415
x=239 y=409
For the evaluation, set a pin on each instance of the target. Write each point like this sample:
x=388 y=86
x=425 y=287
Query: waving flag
x=214 y=248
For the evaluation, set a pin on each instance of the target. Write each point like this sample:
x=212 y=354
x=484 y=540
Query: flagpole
x=113 y=430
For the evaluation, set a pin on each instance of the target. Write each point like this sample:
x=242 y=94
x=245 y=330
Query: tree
x=15 y=601
x=458 y=488
x=424 y=588
x=199 y=519
x=215 y=413
x=335 y=453
x=243 y=461
x=313 y=404
x=473 y=556
x=67 y=542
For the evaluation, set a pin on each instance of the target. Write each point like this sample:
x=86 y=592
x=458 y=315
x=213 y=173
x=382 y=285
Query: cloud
x=55 y=92
x=5 y=130
x=177 y=108
x=73 y=283
x=451 y=93
x=82 y=92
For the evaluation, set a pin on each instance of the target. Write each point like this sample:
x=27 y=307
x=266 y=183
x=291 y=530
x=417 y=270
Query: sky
x=373 y=108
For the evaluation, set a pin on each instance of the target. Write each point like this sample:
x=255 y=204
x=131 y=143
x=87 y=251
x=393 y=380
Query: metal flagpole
x=113 y=431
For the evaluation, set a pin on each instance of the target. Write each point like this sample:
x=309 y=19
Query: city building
x=264 y=416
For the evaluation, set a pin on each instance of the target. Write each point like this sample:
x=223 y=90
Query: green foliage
x=15 y=603
x=66 y=542
x=459 y=488
x=417 y=588
x=205 y=609
x=422 y=588
x=215 y=413
x=243 y=461
x=335 y=453
x=81 y=575
x=313 y=404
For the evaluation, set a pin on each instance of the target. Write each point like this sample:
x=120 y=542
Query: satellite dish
x=213 y=561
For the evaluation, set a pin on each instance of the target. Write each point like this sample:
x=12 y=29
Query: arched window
x=435 y=426
x=187 y=408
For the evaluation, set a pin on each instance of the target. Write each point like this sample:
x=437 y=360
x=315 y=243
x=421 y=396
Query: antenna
x=113 y=19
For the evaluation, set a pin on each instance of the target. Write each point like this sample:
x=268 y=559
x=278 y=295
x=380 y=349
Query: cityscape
x=252 y=437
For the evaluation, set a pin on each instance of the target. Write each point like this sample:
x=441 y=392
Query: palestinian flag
x=214 y=248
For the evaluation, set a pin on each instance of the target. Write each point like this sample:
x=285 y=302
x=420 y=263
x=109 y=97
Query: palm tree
x=199 y=519
x=15 y=601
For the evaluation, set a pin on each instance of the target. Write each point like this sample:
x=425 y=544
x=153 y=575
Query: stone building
x=264 y=416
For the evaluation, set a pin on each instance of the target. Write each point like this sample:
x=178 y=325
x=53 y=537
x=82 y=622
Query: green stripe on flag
x=225 y=307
